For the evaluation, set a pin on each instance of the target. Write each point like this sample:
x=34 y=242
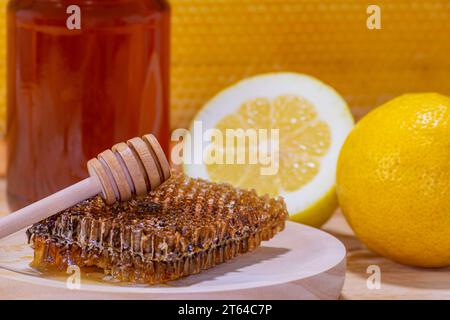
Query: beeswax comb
x=132 y=168
x=183 y=227
x=217 y=43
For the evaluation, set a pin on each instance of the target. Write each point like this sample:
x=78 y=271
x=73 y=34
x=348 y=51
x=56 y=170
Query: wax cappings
x=184 y=226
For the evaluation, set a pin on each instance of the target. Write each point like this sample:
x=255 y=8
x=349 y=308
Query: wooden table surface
x=397 y=281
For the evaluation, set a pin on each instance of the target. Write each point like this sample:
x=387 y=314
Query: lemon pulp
x=303 y=140
x=300 y=125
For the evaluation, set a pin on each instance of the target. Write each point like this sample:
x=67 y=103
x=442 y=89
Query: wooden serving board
x=299 y=263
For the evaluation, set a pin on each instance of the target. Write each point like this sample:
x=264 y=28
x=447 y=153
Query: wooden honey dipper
x=132 y=168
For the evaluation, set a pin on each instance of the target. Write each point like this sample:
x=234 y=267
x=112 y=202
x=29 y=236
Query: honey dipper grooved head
x=135 y=167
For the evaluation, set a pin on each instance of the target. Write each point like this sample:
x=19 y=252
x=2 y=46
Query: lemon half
x=311 y=121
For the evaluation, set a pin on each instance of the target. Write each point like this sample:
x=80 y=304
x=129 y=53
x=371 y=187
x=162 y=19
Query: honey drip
x=183 y=227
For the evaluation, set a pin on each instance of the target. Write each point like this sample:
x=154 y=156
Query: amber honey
x=72 y=93
x=179 y=229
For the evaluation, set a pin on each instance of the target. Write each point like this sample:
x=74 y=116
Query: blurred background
x=217 y=42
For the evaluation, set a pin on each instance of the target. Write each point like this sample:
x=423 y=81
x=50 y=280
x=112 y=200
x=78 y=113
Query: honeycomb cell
x=183 y=227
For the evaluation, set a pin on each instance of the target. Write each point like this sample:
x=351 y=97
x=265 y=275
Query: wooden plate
x=299 y=263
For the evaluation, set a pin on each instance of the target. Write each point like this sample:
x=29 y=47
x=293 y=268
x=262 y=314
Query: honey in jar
x=74 y=92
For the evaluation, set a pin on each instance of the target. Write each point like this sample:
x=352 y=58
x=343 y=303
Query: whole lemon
x=393 y=180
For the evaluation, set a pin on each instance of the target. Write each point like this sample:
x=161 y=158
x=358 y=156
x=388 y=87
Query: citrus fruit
x=393 y=180
x=306 y=123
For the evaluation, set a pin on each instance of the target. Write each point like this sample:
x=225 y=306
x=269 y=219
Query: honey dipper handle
x=49 y=206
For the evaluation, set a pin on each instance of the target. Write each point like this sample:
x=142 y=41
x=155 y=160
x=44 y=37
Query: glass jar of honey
x=82 y=76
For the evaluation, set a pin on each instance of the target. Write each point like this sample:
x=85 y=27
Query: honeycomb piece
x=185 y=226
